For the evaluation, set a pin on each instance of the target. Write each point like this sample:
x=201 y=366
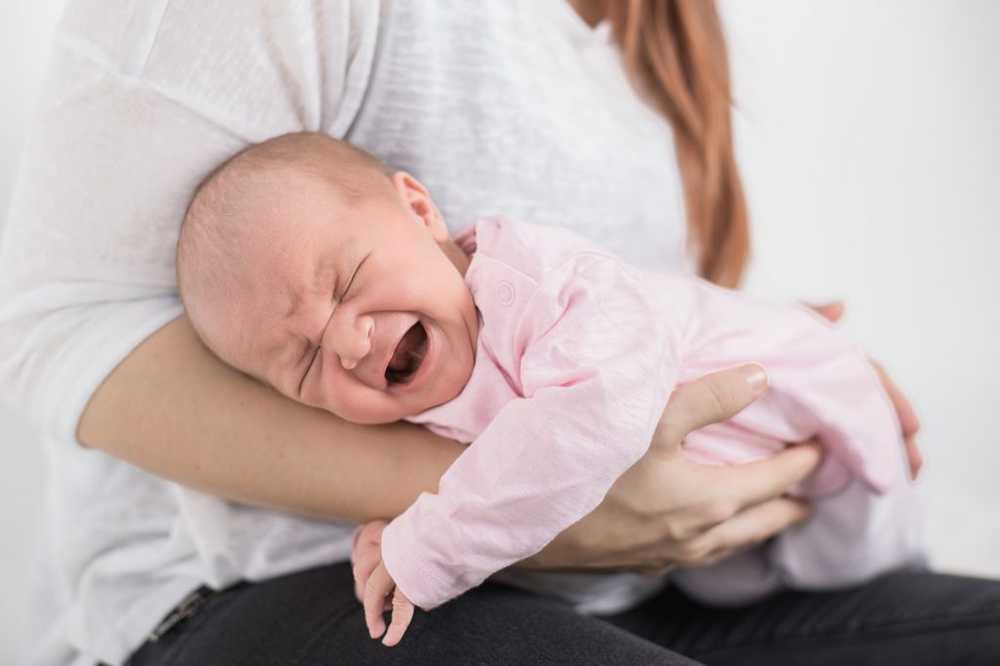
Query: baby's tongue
x=406 y=349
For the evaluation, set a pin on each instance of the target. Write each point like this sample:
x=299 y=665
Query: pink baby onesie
x=577 y=355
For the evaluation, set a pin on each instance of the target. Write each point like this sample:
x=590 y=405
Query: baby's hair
x=212 y=239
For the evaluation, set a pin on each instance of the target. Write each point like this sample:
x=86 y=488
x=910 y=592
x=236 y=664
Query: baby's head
x=307 y=264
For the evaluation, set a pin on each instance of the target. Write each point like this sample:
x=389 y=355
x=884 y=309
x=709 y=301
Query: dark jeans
x=312 y=617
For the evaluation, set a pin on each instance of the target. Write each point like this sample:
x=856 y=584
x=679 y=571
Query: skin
x=326 y=291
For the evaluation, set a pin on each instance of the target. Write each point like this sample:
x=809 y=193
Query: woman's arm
x=175 y=410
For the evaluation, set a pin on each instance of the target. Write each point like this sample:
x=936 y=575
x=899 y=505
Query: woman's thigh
x=908 y=618
x=312 y=617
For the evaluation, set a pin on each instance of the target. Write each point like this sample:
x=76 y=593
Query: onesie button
x=505 y=292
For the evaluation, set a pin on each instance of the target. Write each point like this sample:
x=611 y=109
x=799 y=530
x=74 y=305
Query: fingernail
x=755 y=376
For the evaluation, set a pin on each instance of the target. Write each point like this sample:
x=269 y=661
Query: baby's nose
x=358 y=343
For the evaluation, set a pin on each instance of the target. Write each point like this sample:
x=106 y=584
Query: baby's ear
x=419 y=201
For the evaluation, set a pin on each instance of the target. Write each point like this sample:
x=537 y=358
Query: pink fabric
x=577 y=355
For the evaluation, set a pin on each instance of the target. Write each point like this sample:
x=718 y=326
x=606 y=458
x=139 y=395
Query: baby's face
x=361 y=310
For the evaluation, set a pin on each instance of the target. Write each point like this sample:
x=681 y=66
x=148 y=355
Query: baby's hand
x=372 y=584
x=380 y=585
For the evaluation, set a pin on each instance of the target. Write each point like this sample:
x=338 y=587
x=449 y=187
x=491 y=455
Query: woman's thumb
x=710 y=399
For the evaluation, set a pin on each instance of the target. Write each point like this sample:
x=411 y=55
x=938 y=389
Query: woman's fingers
x=907 y=417
x=914 y=455
x=904 y=410
x=908 y=421
x=666 y=509
x=718 y=494
x=830 y=311
x=379 y=585
x=744 y=530
x=752 y=483
x=709 y=399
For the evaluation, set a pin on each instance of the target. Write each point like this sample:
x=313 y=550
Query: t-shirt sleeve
x=141 y=102
x=595 y=375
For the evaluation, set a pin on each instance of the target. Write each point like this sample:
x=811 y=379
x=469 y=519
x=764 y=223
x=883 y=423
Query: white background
x=868 y=136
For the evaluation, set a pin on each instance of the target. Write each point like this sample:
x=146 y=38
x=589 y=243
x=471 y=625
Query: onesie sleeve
x=595 y=376
x=141 y=101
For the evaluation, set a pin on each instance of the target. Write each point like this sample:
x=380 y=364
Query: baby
x=307 y=264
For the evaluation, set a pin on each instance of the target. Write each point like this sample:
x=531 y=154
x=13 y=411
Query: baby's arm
x=595 y=375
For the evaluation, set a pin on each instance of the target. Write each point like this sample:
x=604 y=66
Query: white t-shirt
x=514 y=107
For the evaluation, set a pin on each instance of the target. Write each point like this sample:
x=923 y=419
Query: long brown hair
x=675 y=52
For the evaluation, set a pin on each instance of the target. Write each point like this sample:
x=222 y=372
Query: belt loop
x=187 y=607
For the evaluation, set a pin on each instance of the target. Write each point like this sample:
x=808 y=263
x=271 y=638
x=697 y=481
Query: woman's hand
x=904 y=410
x=666 y=511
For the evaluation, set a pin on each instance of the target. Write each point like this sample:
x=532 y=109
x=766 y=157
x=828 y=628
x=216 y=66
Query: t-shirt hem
x=129 y=634
x=85 y=378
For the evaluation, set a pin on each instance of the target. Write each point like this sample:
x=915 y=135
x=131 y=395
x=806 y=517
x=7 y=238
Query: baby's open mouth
x=409 y=354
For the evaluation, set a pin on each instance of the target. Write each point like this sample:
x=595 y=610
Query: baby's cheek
x=361 y=404
x=335 y=397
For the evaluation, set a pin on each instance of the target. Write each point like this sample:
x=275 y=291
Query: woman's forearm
x=176 y=411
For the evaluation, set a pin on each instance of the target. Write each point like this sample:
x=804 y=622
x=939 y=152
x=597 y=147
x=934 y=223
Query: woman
x=143 y=102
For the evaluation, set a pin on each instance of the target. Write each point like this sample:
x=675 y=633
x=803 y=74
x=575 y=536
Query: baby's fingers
x=378 y=587
x=364 y=559
x=366 y=553
x=402 y=615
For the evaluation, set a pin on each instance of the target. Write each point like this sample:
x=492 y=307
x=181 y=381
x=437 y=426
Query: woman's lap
x=312 y=618
x=908 y=618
